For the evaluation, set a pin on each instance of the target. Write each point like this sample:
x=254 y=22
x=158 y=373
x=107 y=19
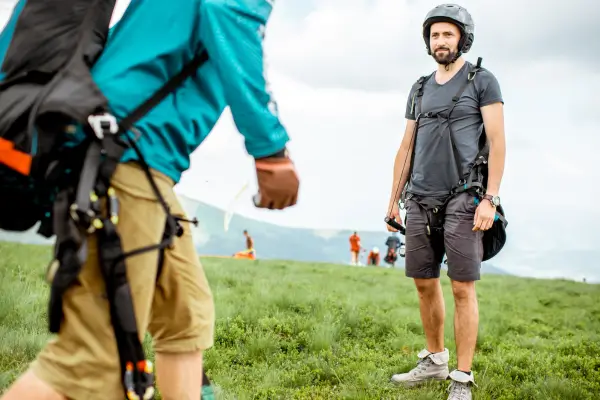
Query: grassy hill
x=290 y=330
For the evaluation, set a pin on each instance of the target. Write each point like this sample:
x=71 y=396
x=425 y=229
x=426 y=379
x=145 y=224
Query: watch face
x=496 y=200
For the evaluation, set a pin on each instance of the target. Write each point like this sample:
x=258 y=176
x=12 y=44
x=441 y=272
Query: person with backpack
x=455 y=147
x=143 y=96
x=393 y=244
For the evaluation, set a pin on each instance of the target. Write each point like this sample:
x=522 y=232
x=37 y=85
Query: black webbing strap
x=455 y=99
x=137 y=373
x=103 y=153
x=446 y=115
x=135 y=369
x=417 y=112
x=434 y=207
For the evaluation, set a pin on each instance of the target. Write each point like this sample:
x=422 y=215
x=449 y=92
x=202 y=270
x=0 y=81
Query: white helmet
x=375 y=250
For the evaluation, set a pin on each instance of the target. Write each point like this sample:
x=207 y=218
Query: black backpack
x=46 y=89
x=475 y=180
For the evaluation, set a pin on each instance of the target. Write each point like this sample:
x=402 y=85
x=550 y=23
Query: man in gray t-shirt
x=454 y=116
x=434 y=170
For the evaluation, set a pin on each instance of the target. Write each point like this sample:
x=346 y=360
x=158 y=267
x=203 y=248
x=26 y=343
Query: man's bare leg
x=179 y=376
x=29 y=386
x=466 y=323
x=433 y=361
x=433 y=311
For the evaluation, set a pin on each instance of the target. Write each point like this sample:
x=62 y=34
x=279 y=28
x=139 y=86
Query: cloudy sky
x=341 y=71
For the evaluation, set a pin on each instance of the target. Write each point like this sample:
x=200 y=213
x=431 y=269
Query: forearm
x=401 y=172
x=233 y=33
x=496 y=165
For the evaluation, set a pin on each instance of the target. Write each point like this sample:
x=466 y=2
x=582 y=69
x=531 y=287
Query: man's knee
x=427 y=288
x=463 y=291
x=30 y=386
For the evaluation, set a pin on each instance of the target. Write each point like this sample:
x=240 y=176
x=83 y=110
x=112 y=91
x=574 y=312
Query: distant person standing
x=249 y=244
x=354 y=248
x=393 y=243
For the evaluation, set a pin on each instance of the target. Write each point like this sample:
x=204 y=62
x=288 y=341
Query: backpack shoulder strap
x=173 y=83
x=470 y=78
x=418 y=93
x=420 y=86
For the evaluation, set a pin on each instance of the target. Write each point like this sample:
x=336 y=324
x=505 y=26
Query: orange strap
x=15 y=159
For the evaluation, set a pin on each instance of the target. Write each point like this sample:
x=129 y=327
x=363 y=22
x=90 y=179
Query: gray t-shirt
x=434 y=170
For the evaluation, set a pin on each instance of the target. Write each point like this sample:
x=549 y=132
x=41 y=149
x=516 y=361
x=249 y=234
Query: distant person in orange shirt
x=373 y=257
x=354 y=248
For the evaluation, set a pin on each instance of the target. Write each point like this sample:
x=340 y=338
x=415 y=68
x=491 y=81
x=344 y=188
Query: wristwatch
x=495 y=200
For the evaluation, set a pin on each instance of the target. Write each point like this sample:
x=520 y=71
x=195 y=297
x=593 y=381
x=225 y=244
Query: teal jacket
x=153 y=41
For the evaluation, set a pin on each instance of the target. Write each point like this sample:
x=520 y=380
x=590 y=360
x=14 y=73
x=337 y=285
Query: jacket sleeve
x=232 y=32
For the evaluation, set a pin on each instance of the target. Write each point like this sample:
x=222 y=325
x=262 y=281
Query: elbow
x=214 y=4
x=260 y=11
x=220 y=10
x=497 y=142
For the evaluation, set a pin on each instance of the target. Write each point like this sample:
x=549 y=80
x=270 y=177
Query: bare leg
x=466 y=323
x=431 y=301
x=179 y=376
x=29 y=386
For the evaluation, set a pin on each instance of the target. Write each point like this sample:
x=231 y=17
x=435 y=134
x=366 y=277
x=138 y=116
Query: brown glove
x=278 y=183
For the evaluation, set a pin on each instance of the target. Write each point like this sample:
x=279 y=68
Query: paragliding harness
x=46 y=92
x=474 y=182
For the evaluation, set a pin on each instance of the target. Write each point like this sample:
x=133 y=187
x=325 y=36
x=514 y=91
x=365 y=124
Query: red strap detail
x=15 y=159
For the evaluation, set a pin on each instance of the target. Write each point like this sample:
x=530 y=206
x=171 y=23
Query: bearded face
x=443 y=41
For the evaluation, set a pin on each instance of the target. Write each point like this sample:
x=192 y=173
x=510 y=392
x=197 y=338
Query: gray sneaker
x=460 y=388
x=431 y=366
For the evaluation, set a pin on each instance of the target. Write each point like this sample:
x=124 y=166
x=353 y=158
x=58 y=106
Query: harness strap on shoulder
x=417 y=112
x=470 y=78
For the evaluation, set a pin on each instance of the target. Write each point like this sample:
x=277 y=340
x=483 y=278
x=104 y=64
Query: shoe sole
x=417 y=383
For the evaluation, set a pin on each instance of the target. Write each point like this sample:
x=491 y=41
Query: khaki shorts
x=81 y=362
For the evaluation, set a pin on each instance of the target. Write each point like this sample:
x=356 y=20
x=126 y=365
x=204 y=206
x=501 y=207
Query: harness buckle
x=145 y=369
x=85 y=218
x=472 y=74
x=103 y=123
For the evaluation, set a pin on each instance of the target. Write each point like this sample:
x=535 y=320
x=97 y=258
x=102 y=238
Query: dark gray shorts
x=464 y=249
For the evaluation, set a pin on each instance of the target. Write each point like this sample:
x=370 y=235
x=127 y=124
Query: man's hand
x=278 y=183
x=395 y=215
x=484 y=216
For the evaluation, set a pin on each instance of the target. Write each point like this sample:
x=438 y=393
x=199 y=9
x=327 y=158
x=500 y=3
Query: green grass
x=289 y=330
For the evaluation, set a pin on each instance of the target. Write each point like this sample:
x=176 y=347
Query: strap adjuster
x=103 y=123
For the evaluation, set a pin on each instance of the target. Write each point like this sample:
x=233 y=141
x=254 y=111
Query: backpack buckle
x=102 y=124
